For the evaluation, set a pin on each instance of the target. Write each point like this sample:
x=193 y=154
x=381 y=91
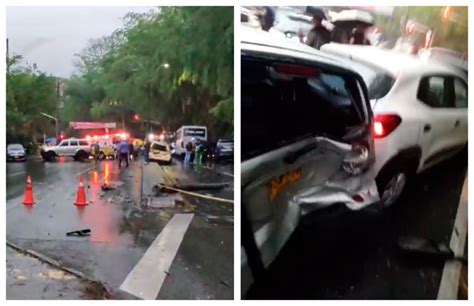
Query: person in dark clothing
x=358 y=36
x=189 y=150
x=267 y=18
x=147 y=146
x=96 y=151
x=123 y=150
x=318 y=35
x=130 y=150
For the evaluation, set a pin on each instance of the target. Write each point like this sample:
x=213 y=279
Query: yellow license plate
x=279 y=183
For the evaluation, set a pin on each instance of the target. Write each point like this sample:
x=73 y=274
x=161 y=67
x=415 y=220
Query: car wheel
x=49 y=156
x=81 y=156
x=391 y=184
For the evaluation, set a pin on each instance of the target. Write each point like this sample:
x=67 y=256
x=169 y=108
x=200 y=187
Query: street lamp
x=55 y=120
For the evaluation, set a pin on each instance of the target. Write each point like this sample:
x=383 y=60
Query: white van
x=188 y=133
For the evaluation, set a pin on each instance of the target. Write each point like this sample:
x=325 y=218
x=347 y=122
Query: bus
x=188 y=133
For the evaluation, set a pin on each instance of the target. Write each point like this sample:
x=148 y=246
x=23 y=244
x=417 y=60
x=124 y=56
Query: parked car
x=79 y=149
x=16 y=152
x=161 y=152
x=420 y=113
x=224 y=149
x=306 y=143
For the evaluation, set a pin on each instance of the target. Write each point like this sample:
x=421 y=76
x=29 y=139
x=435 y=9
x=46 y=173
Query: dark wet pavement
x=121 y=230
x=356 y=257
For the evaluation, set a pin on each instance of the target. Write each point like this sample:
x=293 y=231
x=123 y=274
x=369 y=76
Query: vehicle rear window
x=195 y=132
x=379 y=82
x=15 y=147
x=279 y=109
x=159 y=147
x=83 y=143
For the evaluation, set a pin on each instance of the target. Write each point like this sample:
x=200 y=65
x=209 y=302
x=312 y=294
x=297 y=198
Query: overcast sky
x=50 y=36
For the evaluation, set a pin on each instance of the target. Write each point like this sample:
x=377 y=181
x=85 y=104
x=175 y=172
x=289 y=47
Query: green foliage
x=29 y=92
x=173 y=65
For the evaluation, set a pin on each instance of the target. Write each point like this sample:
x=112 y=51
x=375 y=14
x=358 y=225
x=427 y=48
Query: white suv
x=420 y=112
x=79 y=149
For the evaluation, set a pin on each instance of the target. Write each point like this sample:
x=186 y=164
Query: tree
x=173 y=65
x=29 y=92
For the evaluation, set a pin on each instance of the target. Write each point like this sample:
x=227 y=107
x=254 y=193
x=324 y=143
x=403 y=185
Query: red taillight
x=385 y=124
x=358 y=198
x=296 y=70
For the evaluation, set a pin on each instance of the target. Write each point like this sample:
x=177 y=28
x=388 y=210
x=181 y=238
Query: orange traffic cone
x=81 y=194
x=29 y=199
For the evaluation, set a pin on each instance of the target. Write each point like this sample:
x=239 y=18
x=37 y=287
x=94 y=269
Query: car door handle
x=427 y=128
x=456 y=124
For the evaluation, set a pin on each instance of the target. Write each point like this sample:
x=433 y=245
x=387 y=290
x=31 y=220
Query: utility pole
x=8 y=58
x=58 y=94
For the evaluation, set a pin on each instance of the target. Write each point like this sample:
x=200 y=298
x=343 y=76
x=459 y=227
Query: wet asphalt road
x=356 y=257
x=43 y=281
x=121 y=229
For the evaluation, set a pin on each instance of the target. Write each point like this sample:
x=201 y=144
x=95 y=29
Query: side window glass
x=433 y=92
x=64 y=144
x=460 y=92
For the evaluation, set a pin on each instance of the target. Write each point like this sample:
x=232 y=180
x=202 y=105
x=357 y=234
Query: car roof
x=160 y=143
x=73 y=138
x=392 y=61
x=262 y=41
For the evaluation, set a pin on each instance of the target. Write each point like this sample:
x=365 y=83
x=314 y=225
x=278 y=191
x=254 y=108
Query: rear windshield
x=279 y=109
x=195 y=132
x=15 y=147
x=379 y=82
x=159 y=147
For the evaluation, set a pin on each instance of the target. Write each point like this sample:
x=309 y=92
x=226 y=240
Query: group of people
x=319 y=34
x=125 y=151
x=196 y=147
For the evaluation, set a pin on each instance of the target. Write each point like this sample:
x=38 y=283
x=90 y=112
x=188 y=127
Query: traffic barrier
x=29 y=199
x=81 y=194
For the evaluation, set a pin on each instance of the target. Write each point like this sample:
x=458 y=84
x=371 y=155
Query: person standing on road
x=199 y=153
x=189 y=150
x=318 y=35
x=130 y=150
x=146 y=155
x=96 y=152
x=267 y=20
x=123 y=150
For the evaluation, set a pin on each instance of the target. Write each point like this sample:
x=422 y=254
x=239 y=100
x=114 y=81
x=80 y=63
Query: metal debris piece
x=80 y=233
x=106 y=187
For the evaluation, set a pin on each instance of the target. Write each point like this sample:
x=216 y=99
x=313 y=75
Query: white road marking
x=148 y=275
x=448 y=288
x=16 y=173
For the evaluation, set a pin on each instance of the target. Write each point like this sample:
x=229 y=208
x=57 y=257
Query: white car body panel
x=402 y=100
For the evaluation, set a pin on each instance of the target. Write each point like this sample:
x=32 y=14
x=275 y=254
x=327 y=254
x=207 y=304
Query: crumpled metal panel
x=314 y=194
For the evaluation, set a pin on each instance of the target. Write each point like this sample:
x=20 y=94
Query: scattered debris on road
x=81 y=233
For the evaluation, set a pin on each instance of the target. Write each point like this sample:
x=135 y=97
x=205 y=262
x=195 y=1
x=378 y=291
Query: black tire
x=49 y=156
x=397 y=170
x=81 y=156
